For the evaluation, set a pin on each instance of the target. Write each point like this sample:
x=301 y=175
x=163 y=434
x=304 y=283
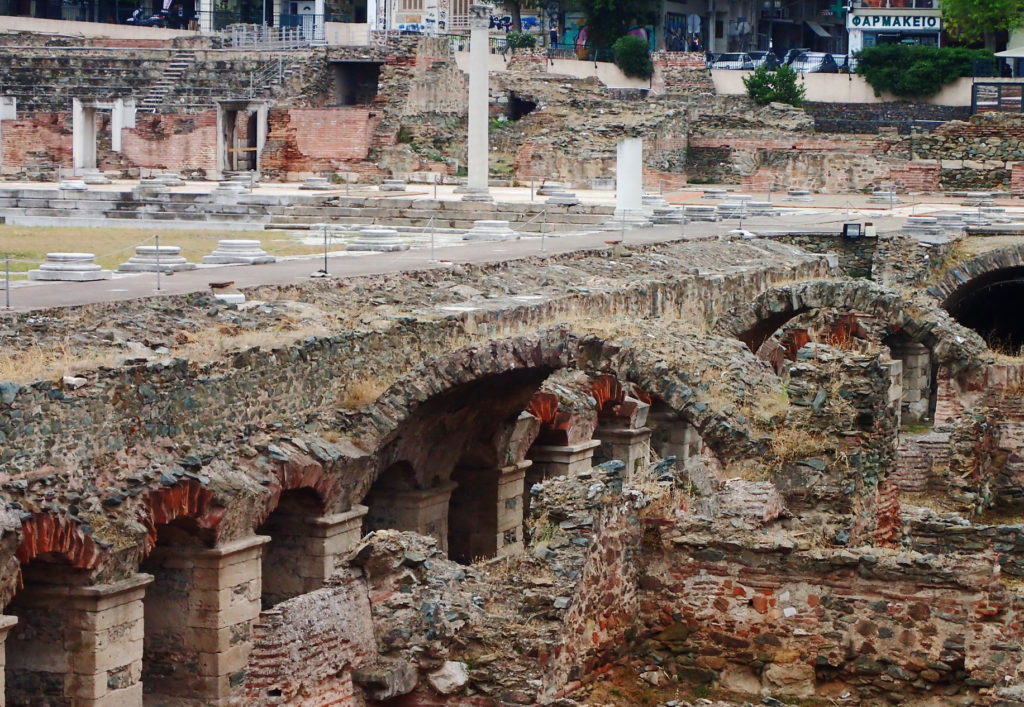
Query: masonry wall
x=122 y=407
x=305 y=649
x=183 y=143
x=317 y=140
x=35 y=147
x=798 y=622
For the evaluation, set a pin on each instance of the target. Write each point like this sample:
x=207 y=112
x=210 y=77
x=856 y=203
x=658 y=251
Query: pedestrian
x=553 y=35
x=695 y=44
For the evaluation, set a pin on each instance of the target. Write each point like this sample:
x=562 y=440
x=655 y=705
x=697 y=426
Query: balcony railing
x=897 y=4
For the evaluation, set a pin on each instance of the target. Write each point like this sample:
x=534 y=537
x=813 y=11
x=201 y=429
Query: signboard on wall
x=872 y=21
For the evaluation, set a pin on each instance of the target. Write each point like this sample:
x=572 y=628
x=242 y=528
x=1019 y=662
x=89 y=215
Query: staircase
x=172 y=76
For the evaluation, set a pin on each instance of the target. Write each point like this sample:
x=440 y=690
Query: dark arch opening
x=457 y=436
x=290 y=559
x=40 y=647
x=519 y=107
x=991 y=305
x=170 y=650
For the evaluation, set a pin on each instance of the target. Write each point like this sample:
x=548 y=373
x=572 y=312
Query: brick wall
x=1017 y=179
x=176 y=142
x=34 y=147
x=916 y=177
x=307 y=140
x=305 y=649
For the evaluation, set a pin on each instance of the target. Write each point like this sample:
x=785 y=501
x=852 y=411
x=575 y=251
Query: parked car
x=814 y=63
x=733 y=61
x=766 y=59
x=792 y=54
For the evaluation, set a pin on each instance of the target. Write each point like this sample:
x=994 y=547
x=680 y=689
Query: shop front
x=868 y=27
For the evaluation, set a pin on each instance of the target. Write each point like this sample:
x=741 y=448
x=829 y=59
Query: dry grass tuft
x=360 y=393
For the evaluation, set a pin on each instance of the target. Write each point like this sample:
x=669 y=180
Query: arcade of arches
x=709 y=451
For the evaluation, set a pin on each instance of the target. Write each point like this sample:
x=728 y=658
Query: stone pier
x=486 y=516
x=632 y=446
x=6 y=624
x=76 y=645
x=305 y=551
x=423 y=511
x=555 y=460
x=199 y=617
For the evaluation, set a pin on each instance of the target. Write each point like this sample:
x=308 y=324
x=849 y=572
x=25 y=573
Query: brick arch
x=968 y=275
x=185 y=499
x=954 y=346
x=301 y=471
x=49 y=533
x=726 y=433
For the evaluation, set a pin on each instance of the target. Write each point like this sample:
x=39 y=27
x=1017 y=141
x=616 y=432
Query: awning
x=819 y=30
x=1015 y=53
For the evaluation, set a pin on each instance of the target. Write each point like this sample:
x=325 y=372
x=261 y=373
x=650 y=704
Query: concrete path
x=826 y=214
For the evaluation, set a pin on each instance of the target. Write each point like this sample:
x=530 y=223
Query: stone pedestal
x=94 y=176
x=150 y=258
x=169 y=179
x=731 y=209
x=392 y=185
x=199 y=616
x=378 y=239
x=303 y=552
x=667 y=214
x=230 y=190
x=562 y=198
x=72 y=185
x=89 y=640
x=238 y=252
x=475 y=194
x=421 y=511
x=798 y=195
x=148 y=188
x=490 y=231
x=6 y=624
x=761 y=208
x=315 y=184
x=715 y=194
x=630 y=446
x=554 y=460
x=70 y=267
x=700 y=213
x=551 y=188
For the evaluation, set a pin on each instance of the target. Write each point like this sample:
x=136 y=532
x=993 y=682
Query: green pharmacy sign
x=931 y=23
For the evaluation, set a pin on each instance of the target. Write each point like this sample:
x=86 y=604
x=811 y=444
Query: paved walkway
x=825 y=214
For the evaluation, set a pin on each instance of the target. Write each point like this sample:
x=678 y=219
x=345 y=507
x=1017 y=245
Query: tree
x=607 y=20
x=779 y=86
x=974 y=20
x=632 y=57
x=915 y=71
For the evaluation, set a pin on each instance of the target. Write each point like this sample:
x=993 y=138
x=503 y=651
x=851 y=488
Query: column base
x=632 y=446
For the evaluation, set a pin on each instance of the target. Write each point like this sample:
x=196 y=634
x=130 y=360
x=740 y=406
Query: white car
x=733 y=61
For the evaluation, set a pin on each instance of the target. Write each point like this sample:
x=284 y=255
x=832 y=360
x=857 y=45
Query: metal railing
x=898 y=4
x=290 y=32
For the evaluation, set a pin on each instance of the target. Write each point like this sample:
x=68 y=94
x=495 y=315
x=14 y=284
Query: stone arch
x=968 y=293
x=954 y=347
x=725 y=432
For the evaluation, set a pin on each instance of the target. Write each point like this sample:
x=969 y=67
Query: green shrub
x=520 y=40
x=912 y=70
x=779 y=86
x=632 y=57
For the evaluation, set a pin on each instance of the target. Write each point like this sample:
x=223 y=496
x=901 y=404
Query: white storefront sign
x=925 y=23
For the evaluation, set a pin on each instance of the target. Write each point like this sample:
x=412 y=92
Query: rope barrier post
x=7 y=282
x=325 y=249
x=158 y=268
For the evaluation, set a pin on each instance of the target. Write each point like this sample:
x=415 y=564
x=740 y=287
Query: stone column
x=486 y=516
x=6 y=624
x=199 y=617
x=83 y=136
x=302 y=556
x=629 y=179
x=630 y=446
x=477 y=144
x=554 y=460
x=89 y=638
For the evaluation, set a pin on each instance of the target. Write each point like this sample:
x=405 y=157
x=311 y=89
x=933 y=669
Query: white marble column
x=478 y=143
x=204 y=8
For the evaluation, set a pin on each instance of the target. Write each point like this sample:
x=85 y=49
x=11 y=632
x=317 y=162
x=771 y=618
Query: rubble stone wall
x=792 y=622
